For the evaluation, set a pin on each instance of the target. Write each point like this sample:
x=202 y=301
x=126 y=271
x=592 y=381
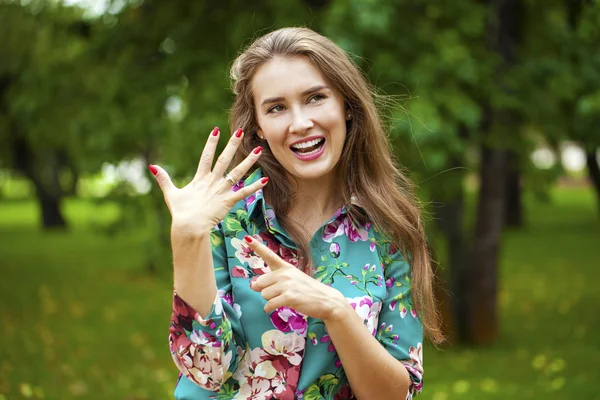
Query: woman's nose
x=301 y=121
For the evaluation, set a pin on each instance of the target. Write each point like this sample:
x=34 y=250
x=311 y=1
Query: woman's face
x=300 y=115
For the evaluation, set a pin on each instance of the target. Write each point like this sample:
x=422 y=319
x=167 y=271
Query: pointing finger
x=273 y=260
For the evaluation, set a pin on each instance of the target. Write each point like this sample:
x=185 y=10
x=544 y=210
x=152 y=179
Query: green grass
x=80 y=319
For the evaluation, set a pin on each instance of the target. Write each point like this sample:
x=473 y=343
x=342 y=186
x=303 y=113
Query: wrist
x=338 y=309
x=185 y=231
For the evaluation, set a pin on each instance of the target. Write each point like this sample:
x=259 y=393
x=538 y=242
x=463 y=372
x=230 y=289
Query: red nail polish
x=238 y=133
x=264 y=180
x=248 y=239
x=257 y=150
x=215 y=131
x=153 y=169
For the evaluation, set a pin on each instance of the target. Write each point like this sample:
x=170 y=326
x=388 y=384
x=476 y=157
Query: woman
x=295 y=284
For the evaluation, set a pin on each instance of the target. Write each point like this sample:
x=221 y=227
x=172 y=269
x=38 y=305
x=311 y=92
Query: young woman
x=311 y=279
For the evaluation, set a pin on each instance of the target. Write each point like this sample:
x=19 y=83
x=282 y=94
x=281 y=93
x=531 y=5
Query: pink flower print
x=288 y=255
x=225 y=296
x=270 y=241
x=367 y=310
x=286 y=319
x=290 y=345
x=246 y=255
x=352 y=279
x=255 y=389
x=239 y=272
x=372 y=247
x=249 y=201
x=415 y=367
x=355 y=233
x=327 y=339
x=206 y=366
x=333 y=230
x=205 y=339
x=389 y=282
x=334 y=250
x=286 y=380
x=248 y=363
x=237 y=186
x=403 y=310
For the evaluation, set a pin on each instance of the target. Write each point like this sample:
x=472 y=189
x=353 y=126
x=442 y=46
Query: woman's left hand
x=286 y=286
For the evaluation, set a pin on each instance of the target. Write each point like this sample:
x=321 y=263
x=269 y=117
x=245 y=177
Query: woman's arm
x=373 y=373
x=194 y=276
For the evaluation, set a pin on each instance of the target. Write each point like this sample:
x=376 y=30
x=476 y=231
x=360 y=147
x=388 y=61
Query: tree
x=38 y=87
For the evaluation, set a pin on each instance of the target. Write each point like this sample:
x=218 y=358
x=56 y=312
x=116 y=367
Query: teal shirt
x=240 y=352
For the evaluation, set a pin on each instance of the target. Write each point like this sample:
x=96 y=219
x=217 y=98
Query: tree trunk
x=482 y=286
x=48 y=191
x=514 y=207
x=504 y=34
x=50 y=208
x=594 y=173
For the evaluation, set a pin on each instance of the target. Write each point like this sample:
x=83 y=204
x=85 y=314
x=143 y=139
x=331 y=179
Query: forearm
x=194 y=277
x=372 y=372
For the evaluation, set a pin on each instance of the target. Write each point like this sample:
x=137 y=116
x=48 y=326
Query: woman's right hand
x=206 y=200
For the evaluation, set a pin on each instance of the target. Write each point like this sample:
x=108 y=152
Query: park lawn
x=81 y=319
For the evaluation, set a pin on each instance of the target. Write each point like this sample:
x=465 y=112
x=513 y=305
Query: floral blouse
x=239 y=352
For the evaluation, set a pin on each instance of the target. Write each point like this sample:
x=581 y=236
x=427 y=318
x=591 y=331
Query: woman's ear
x=260 y=134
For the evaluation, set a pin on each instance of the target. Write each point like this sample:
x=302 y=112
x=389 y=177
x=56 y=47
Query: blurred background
x=495 y=114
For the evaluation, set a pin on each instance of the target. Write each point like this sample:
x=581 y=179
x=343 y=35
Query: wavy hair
x=367 y=166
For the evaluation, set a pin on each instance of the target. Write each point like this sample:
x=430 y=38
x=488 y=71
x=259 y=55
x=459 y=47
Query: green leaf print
x=242 y=215
x=313 y=393
x=226 y=392
x=232 y=225
x=327 y=386
x=215 y=240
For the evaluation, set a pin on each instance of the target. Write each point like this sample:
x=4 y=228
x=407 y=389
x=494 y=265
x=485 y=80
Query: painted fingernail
x=248 y=239
x=264 y=180
x=215 y=131
x=257 y=150
x=153 y=169
x=238 y=133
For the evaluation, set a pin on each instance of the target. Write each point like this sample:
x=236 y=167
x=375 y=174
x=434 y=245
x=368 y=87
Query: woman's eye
x=277 y=108
x=316 y=97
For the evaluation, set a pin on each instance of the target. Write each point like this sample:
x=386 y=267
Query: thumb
x=162 y=178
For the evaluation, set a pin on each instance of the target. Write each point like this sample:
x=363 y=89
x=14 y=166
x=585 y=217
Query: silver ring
x=230 y=179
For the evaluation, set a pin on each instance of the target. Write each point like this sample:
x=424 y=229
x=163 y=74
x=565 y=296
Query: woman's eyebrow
x=307 y=91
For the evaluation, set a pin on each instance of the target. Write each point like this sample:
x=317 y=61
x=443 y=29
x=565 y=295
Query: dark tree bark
x=514 y=207
x=504 y=33
x=482 y=288
x=48 y=191
x=594 y=173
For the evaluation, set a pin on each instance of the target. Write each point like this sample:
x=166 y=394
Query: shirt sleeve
x=205 y=349
x=400 y=331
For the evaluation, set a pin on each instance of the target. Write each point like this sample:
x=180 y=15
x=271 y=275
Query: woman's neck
x=315 y=200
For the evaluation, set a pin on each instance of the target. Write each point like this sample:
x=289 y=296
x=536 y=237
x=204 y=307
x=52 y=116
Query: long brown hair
x=366 y=164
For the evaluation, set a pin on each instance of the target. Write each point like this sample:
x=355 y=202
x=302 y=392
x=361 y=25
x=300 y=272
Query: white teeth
x=305 y=145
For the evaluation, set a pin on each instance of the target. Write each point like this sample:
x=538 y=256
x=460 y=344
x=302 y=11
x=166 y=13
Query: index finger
x=269 y=256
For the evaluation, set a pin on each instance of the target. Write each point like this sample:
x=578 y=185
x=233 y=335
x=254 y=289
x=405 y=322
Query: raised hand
x=204 y=202
x=287 y=286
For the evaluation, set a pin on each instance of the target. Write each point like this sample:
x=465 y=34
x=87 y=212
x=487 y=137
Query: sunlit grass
x=81 y=319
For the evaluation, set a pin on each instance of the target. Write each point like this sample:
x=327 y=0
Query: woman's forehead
x=285 y=76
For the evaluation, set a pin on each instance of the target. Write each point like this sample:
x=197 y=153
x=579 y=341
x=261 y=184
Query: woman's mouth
x=308 y=151
x=308 y=148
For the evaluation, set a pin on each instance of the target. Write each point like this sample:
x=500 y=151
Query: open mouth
x=308 y=148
